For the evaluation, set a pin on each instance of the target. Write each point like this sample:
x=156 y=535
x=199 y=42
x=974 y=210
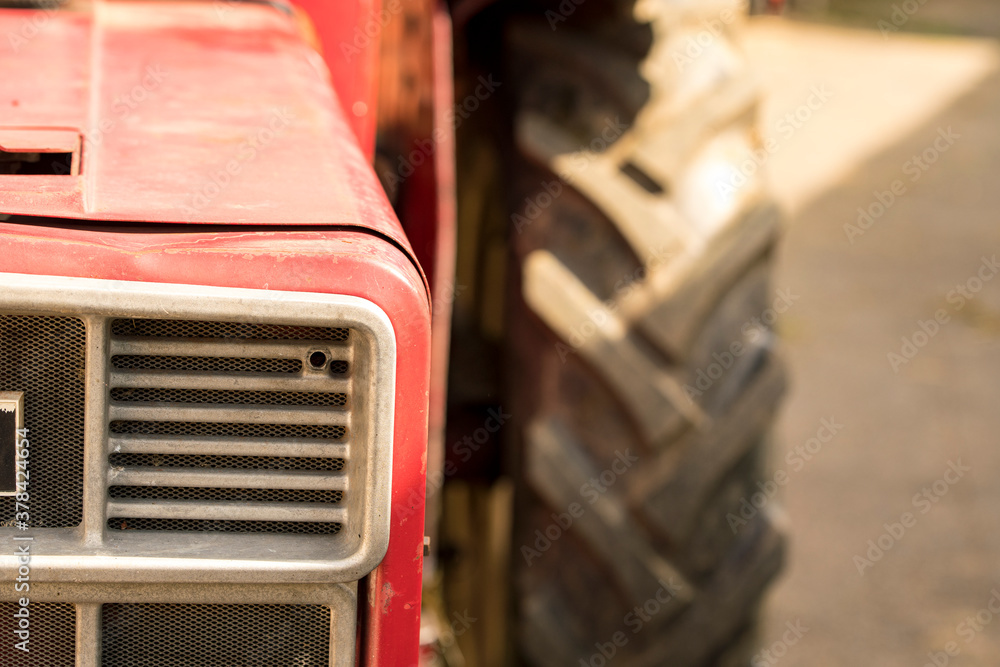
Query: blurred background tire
x=642 y=372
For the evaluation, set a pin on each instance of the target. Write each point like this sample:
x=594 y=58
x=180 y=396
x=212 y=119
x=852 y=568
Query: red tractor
x=339 y=333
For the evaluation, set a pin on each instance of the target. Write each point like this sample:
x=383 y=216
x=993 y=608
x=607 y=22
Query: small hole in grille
x=203 y=429
x=239 y=330
x=206 y=364
x=338 y=367
x=44 y=358
x=201 y=635
x=298 y=398
x=317 y=360
x=226 y=494
x=236 y=462
x=217 y=526
x=52 y=641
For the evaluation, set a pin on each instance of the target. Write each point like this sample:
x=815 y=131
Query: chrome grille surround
x=197 y=545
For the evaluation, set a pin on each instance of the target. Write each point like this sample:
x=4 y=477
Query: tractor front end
x=214 y=350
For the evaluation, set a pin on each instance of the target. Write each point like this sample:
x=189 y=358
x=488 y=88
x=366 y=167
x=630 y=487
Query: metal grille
x=144 y=395
x=243 y=488
x=235 y=635
x=44 y=358
x=210 y=364
x=236 y=462
x=52 y=638
x=230 y=330
x=201 y=429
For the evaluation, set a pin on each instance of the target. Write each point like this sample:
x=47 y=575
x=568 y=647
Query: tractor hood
x=177 y=112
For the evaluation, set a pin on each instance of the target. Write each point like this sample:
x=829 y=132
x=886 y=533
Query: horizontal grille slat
x=227 y=349
x=208 y=364
x=223 y=526
x=259 y=511
x=174 y=460
x=235 y=430
x=227 y=397
x=225 y=414
x=181 y=445
x=261 y=479
x=225 y=494
x=224 y=330
x=247 y=382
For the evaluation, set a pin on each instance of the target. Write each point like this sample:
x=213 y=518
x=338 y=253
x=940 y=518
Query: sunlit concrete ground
x=861 y=294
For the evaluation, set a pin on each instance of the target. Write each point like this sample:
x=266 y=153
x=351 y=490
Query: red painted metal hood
x=189 y=112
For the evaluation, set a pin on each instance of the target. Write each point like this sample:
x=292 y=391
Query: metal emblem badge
x=11 y=432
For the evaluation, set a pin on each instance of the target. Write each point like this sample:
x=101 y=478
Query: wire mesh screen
x=207 y=635
x=51 y=635
x=44 y=358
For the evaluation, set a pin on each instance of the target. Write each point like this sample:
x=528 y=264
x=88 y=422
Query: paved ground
x=903 y=427
x=964 y=17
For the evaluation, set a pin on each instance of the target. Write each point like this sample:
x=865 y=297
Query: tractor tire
x=643 y=376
